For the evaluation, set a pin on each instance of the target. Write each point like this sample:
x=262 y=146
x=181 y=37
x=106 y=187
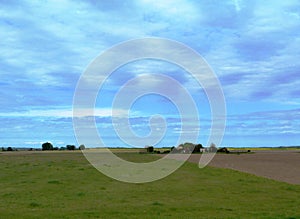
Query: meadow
x=64 y=185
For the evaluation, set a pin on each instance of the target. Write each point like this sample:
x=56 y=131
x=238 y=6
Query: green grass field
x=65 y=185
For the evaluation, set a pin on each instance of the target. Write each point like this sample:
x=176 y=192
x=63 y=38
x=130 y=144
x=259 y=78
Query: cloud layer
x=252 y=46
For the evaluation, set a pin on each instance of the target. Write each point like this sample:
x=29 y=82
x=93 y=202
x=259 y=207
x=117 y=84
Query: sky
x=251 y=46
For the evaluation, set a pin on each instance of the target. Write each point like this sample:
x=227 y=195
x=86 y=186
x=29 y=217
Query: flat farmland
x=65 y=185
x=281 y=165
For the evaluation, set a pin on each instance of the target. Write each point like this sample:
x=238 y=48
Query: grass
x=65 y=185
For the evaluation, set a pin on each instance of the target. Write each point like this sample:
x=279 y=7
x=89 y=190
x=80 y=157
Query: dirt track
x=279 y=165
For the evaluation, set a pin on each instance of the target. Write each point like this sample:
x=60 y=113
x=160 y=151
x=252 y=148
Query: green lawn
x=65 y=185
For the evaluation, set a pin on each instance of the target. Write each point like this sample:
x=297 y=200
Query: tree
x=197 y=148
x=223 y=150
x=9 y=149
x=174 y=149
x=187 y=147
x=47 y=146
x=71 y=147
x=213 y=148
x=82 y=147
x=150 y=149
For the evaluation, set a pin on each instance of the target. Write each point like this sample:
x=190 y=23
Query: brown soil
x=279 y=165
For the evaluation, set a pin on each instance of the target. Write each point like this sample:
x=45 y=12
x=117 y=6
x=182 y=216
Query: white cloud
x=68 y=113
x=45 y=46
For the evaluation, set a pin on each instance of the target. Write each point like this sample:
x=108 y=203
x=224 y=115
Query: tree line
x=47 y=146
x=186 y=147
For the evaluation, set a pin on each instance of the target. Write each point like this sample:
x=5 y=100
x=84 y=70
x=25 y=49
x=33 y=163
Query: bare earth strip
x=279 y=165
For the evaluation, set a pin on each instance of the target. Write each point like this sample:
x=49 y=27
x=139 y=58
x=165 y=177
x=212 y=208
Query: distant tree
x=223 y=150
x=82 y=147
x=174 y=149
x=62 y=148
x=3 y=149
x=71 y=147
x=150 y=149
x=55 y=148
x=197 y=148
x=187 y=147
x=47 y=146
x=9 y=149
x=213 y=148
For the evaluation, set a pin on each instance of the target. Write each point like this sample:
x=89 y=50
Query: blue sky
x=252 y=46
